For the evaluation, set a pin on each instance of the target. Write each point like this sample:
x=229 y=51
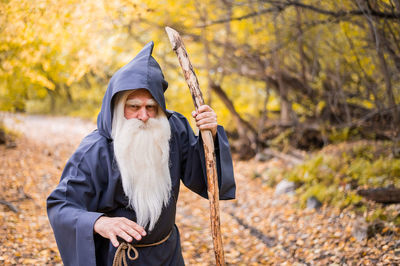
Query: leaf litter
x=258 y=228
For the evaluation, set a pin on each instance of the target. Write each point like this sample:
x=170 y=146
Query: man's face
x=140 y=105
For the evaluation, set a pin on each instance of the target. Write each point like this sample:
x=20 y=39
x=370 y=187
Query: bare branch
x=279 y=6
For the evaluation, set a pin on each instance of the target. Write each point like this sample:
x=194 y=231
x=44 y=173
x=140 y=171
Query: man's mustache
x=140 y=124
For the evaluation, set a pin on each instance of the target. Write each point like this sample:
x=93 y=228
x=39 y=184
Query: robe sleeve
x=194 y=168
x=70 y=209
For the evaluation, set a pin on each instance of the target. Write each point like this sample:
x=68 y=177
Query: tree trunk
x=52 y=96
x=204 y=19
x=247 y=134
x=264 y=114
x=286 y=106
x=301 y=46
x=67 y=92
x=3 y=138
x=381 y=195
x=376 y=36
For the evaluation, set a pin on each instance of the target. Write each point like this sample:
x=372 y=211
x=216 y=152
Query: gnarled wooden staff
x=208 y=142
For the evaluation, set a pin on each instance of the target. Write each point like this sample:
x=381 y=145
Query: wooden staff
x=208 y=143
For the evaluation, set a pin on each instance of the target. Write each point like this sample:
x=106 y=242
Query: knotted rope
x=120 y=254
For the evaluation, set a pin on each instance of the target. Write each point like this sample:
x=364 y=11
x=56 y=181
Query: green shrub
x=334 y=177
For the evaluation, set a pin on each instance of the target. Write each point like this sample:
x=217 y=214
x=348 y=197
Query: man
x=122 y=183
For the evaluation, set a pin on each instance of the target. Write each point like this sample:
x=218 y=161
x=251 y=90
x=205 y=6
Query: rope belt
x=120 y=254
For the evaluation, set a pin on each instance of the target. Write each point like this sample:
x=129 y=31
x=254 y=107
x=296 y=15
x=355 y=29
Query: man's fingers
x=114 y=240
x=206 y=121
x=135 y=226
x=124 y=235
x=119 y=226
x=205 y=124
x=204 y=108
x=206 y=115
x=210 y=126
x=131 y=232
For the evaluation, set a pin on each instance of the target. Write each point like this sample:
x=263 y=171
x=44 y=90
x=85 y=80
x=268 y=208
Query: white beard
x=142 y=153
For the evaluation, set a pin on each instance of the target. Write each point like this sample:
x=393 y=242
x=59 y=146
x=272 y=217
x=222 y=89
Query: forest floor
x=258 y=228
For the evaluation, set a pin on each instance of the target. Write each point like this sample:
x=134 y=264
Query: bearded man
x=122 y=183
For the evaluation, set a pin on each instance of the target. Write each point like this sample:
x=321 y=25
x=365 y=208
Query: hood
x=142 y=72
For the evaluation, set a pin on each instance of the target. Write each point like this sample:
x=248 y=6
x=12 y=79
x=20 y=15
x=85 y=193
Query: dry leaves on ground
x=258 y=228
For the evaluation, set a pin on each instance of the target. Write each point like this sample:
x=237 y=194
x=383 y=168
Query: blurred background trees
x=304 y=73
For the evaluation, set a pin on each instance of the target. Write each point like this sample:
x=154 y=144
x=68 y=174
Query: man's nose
x=143 y=115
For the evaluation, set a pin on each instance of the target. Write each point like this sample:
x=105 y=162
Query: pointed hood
x=143 y=72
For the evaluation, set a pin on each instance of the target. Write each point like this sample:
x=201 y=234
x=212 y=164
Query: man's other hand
x=111 y=227
x=206 y=118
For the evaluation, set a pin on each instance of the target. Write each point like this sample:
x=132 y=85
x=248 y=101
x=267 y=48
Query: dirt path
x=50 y=131
x=28 y=173
x=258 y=228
